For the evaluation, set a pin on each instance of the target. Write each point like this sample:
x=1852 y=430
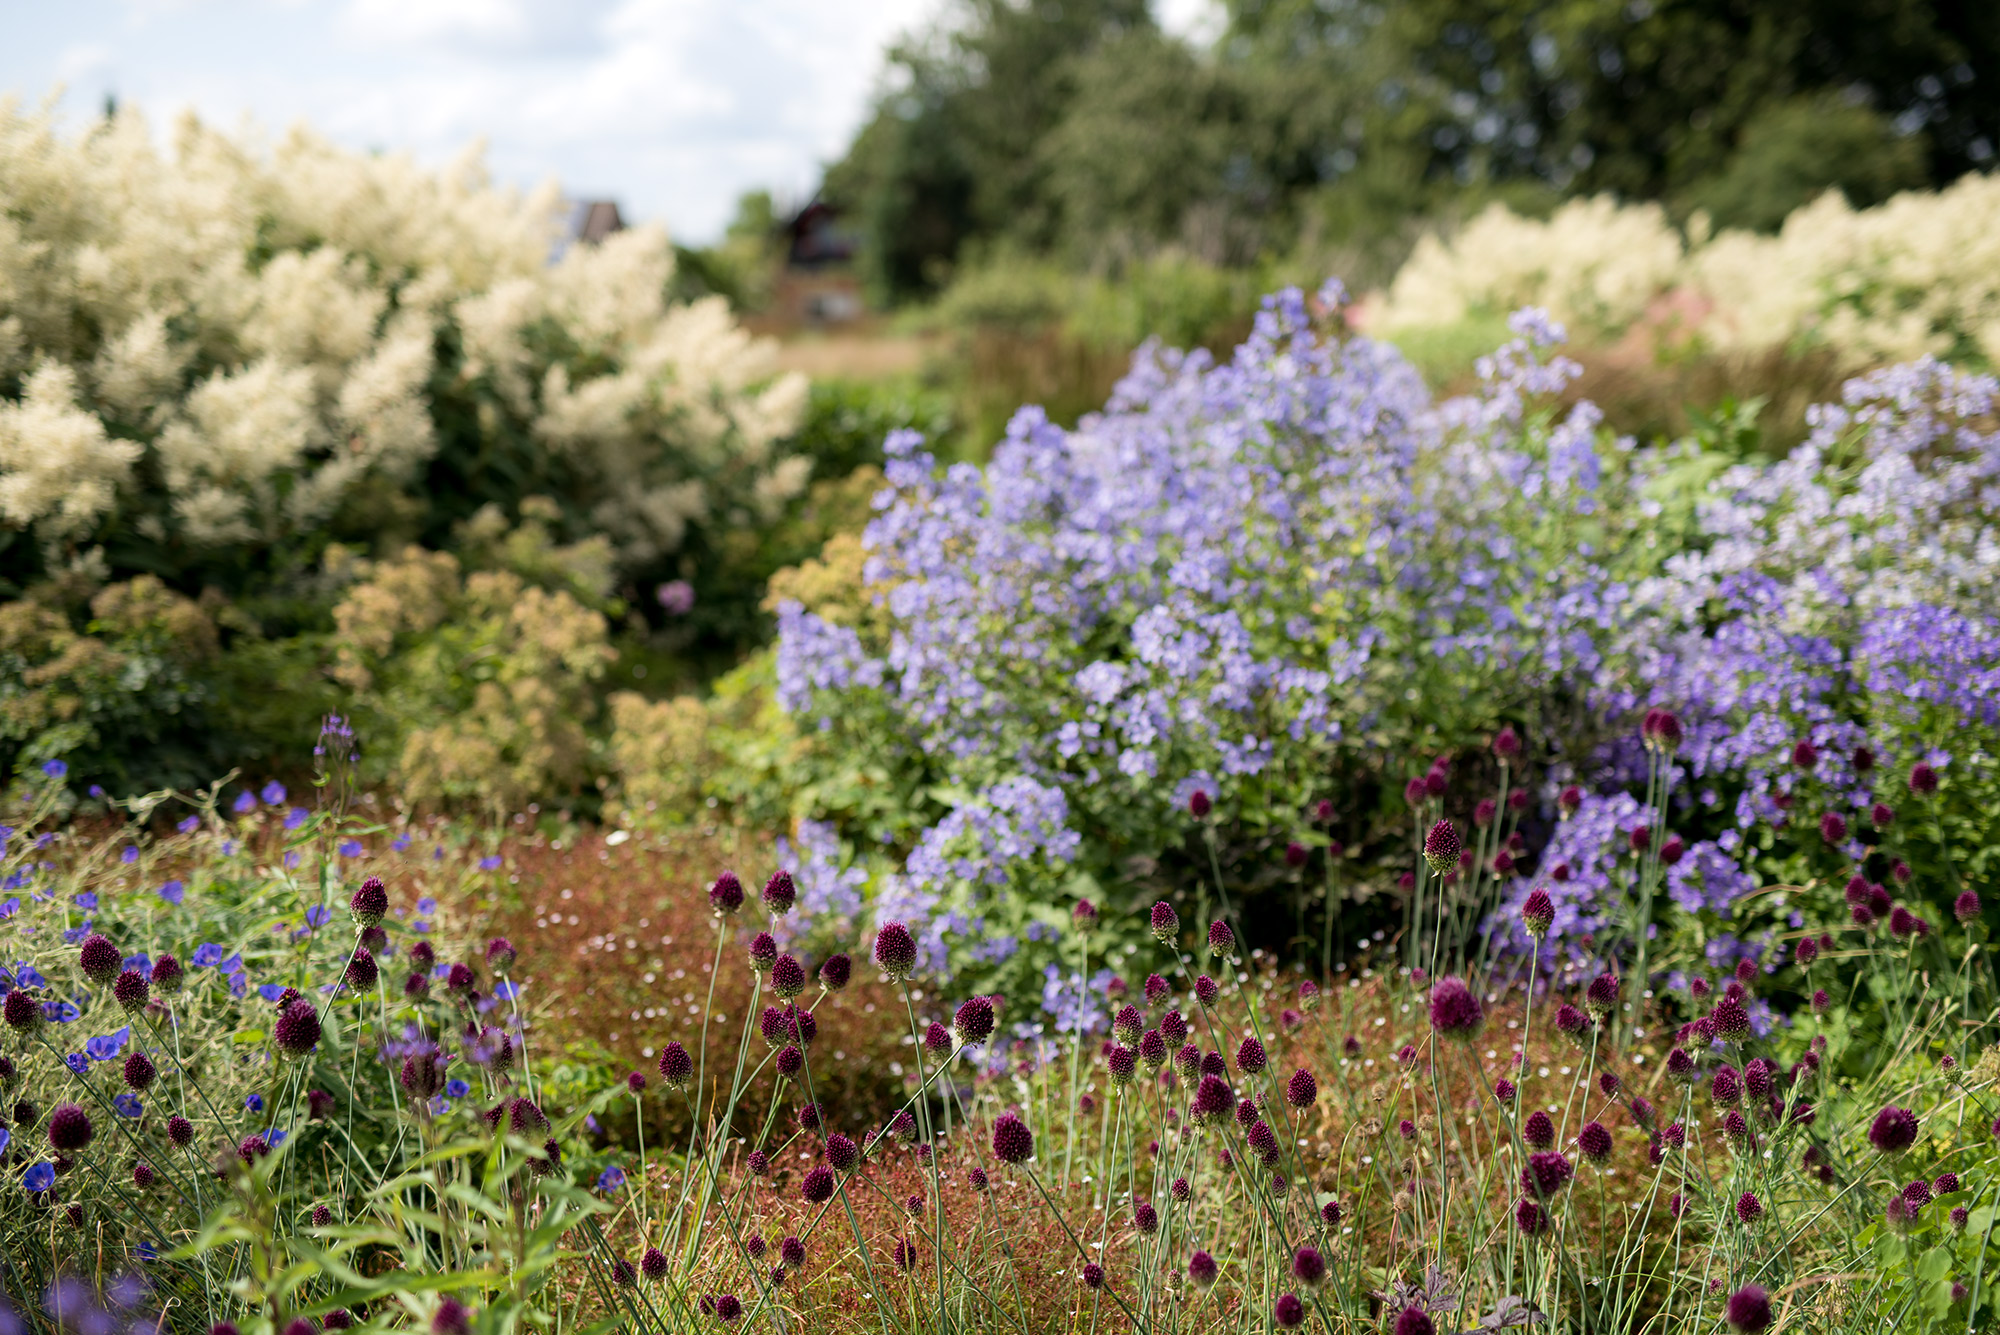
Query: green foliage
x=1792 y=151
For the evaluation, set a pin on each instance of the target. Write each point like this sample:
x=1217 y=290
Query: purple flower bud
x=452 y=1319
x=1012 y=1141
x=1546 y=1173
x=1166 y=924
x=69 y=1128
x=1128 y=1024
x=1202 y=1269
x=1923 y=779
x=180 y=1131
x=654 y=1265
x=1250 y=1057
x=1731 y=1021
x=1302 y=1091
x=1414 y=1321
x=1198 y=804
x=1894 y=1130
x=416 y=987
x=1538 y=1131
x=895 y=950
x=296 y=1031
x=1295 y=854
x=1212 y=1101
x=1530 y=1218
x=1594 y=1142
x=725 y=897
x=817 y=1186
x=139 y=1071
x=779 y=893
x=100 y=959
x=422 y=1076
x=1572 y=1023
x=167 y=975
x=835 y=972
x=1503 y=1090
x=1084 y=916
x=459 y=980
x=142 y=1175
x=676 y=1066
x=1455 y=1012
x=1289 y=1313
x=361 y=971
x=1152 y=1051
x=1221 y=941
x=131 y=990
x=1442 y=847
x=1946 y=1184
x=1748 y=1208
x=368 y=905
x=973 y=1021
x=788 y=977
x=1205 y=990
x=792 y=1251
x=1966 y=907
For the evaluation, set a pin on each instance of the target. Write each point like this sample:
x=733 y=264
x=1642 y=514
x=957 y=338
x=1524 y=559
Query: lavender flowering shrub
x=1255 y=618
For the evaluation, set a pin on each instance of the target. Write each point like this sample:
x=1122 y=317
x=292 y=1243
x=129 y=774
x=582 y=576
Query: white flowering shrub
x=1918 y=275
x=219 y=358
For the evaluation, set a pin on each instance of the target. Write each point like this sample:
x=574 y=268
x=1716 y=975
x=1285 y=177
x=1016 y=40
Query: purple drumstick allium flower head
x=1093 y=1275
x=1569 y=800
x=1672 y=851
x=1205 y=990
x=1601 y=997
x=1188 y=1062
x=1246 y=1113
x=1833 y=827
x=1748 y=1310
x=973 y=1021
x=1414 y=1321
x=1122 y=1063
x=1900 y=1215
x=167 y=975
x=760 y=1163
x=369 y=904
x=1455 y=1012
x=763 y=952
x=1221 y=941
x=835 y=972
x=1731 y=1021
x=423 y=956
x=143 y=1176
x=1288 y=1312
x=319 y=1105
x=361 y=971
x=452 y=1319
x=788 y=977
x=725 y=897
x=676 y=1066
x=1725 y=1089
x=1538 y=1131
x=1530 y=1218
x=1546 y=1173
x=1881 y=815
x=1309 y=996
x=654 y=1265
x=139 y=1071
x=1804 y=754
x=1503 y=1090
x=1157 y=990
x=1406 y=1057
x=1538 y=913
x=1483 y=813
x=1806 y=951
x=1662 y=730
x=1083 y=918
x=1863 y=916
x=422 y=1076
x=1128 y=1024
x=789 y=1062
x=500 y=955
x=1263 y=1142
x=1918 y=1194
x=624 y=1274
x=792 y=1251
x=1507 y=743
x=780 y=893
x=180 y=1131
x=842 y=1153
x=1572 y=1023
x=895 y=950
x=1302 y=1091
x=69 y=1129
x=728 y=1307
x=100 y=959
x=1902 y=923
x=1442 y=847
x=458 y=980
x=1415 y=793
x=1893 y=1131
x=1640 y=837
x=1250 y=1057
x=1946 y=1184
x=1145 y=1218
x=1199 y=804
x=1608 y=1084
x=1966 y=907
x=1923 y=779
x=1212 y=1101
x=1152 y=1051
x=1012 y=1141
x=1165 y=923
x=417 y=986
x=1202 y=1269
x=1959 y=1216
x=1295 y=854
x=1748 y=1208
x=296 y=1031
x=817 y=1186
x=1594 y=1143
x=1642 y=1112
x=131 y=990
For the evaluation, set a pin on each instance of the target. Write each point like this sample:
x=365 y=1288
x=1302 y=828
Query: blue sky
x=672 y=107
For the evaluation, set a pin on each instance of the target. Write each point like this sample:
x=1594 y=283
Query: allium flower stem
x=924 y=1125
x=1221 y=891
x=111 y=1115
x=1069 y=1106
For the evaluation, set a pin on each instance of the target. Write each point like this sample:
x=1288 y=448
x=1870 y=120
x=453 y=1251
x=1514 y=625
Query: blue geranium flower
x=28 y=976
x=507 y=989
x=402 y=842
x=39 y=1177
x=141 y=962
x=146 y=1251
x=489 y=863
x=234 y=964
x=190 y=825
x=106 y=1046
x=5 y=1136
x=129 y=856
x=457 y=1089
x=295 y=818
x=10 y=907
x=238 y=985
x=255 y=1103
x=350 y=848
x=76 y=934
x=173 y=892
x=274 y=793
x=271 y=991
x=420 y=924
x=318 y=916
x=206 y=955
x=86 y=899
x=427 y=905
x=611 y=1178
x=291 y=861
x=78 y=1063
x=245 y=803
x=55 y=769
x=275 y=1137
x=128 y=1105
